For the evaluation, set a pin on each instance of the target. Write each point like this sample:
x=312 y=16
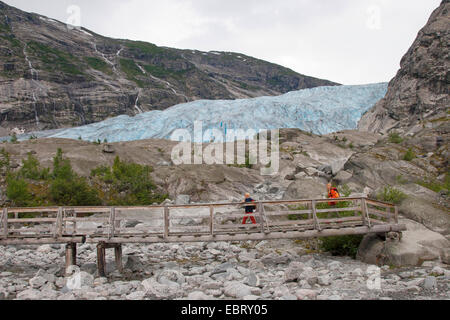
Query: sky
x=346 y=41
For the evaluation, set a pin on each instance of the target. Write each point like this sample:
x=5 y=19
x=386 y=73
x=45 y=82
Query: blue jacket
x=249 y=209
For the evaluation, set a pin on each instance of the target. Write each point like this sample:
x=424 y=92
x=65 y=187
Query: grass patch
x=436 y=185
x=54 y=59
x=409 y=155
x=99 y=65
x=130 y=68
x=394 y=137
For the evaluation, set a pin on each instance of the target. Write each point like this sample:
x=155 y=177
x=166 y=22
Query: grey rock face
x=419 y=91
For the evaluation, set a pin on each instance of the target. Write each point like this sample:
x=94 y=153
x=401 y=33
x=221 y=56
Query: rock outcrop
x=418 y=96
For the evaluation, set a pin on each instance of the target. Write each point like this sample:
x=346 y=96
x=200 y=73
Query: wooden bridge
x=110 y=227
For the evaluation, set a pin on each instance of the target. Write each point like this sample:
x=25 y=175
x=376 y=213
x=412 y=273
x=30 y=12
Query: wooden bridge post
x=166 y=222
x=314 y=212
x=118 y=257
x=101 y=259
x=112 y=226
x=365 y=213
x=71 y=255
x=5 y=223
x=211 y=220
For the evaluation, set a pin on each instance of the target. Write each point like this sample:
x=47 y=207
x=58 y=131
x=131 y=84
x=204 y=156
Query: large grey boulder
x=417 y=244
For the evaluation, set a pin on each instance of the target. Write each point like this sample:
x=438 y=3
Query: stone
x=222 y=268
x=198 y=295
x=37 y=282
x=156 y=290
x=30 y=294
x=324 y=280
x=252 y=280
x=79 y=280
x=293 y=271
x=438 y=271
x=171 y=275
x=46 y=248
x=133 y=263
x=418 y=244
x=236 y=289
x=335 y=265
x=342 y=177
x=108 y=148
x=303 y=294
x=182 y=199
x=430 y=283
x=251 y=297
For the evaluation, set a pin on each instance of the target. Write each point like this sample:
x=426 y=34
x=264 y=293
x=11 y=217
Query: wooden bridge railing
x=195 y=222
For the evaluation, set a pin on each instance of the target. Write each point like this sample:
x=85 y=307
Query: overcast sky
x=347 y=41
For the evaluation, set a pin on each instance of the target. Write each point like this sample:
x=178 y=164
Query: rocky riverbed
x=266 y=270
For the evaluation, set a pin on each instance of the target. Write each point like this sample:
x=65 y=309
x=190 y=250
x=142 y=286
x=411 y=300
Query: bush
x=17 y=191
x=409 y=155
x=75 y=192
x=390 y=194
x=394 y=137
x=131 y=183
x=31 y=169
x=341 y=245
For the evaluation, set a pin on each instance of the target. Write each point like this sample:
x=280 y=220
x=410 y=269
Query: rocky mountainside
x=53 y=76
x=418 y=97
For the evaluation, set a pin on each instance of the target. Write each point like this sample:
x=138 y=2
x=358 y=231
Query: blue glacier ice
x=319 y=110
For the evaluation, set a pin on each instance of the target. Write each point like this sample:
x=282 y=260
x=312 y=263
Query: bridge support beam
x=101 y=257
x=71 y=254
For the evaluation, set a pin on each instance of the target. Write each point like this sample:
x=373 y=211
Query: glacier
x=319 y=110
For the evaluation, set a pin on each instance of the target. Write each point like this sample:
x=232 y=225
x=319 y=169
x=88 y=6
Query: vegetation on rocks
x=391 y=194
x=394 y=137
x=342 y=245
x=32 y=185
x=128 y=184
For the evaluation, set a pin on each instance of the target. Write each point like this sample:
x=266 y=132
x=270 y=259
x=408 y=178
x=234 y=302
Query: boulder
x=79 y=280
x=156 y=290
x=37 y=282
x=294 y=271
x=417 y=244
x=182 y=199
x=237 y=290
x=108 y=148
x=303 y=294
x=429 y=283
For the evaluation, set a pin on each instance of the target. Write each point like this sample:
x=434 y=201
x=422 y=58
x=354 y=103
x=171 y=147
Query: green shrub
x=341 y=245
x=17 y=191
x=394 y=137
x=31 y=169
x=409 y=155
x=131 y=183
x=74 y=192
x=390 y=194
x=62 y=169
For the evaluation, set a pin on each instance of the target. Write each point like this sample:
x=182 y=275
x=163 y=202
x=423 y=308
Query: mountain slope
x=52 y=76
x=418 y=96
